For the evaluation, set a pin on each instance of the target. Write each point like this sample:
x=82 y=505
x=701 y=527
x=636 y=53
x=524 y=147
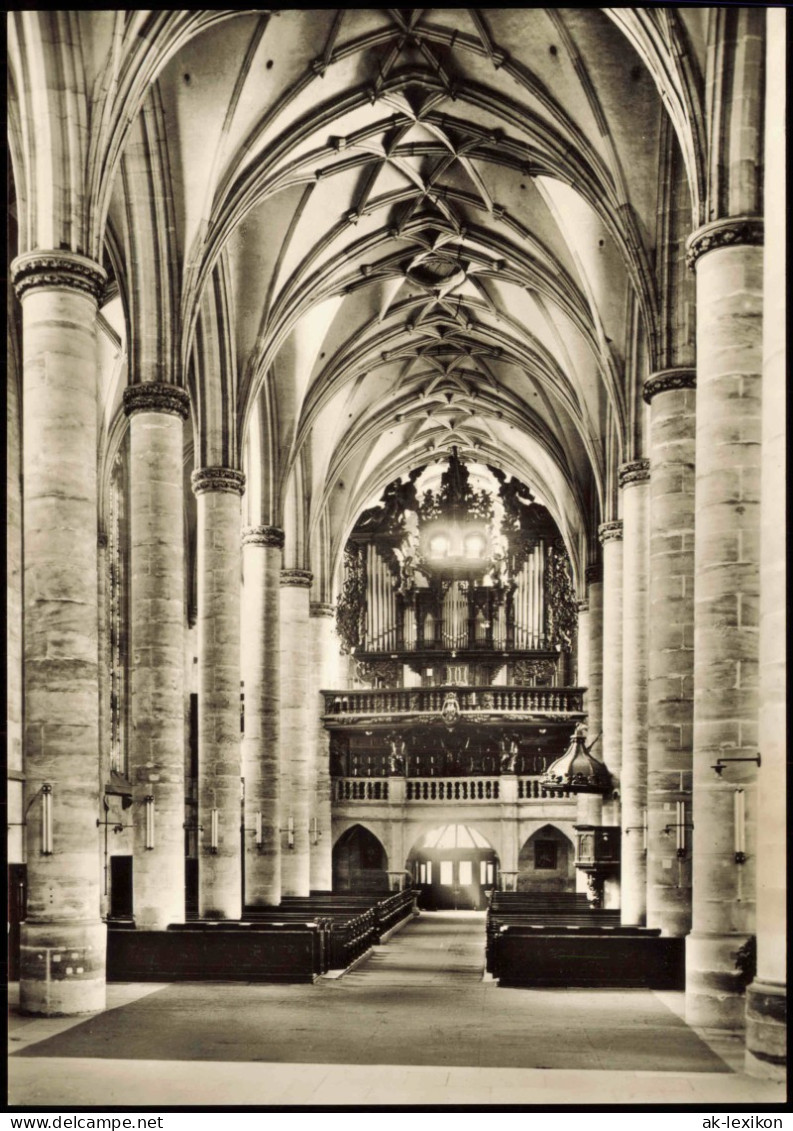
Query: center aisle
x=418 y=1000
x=441 y=948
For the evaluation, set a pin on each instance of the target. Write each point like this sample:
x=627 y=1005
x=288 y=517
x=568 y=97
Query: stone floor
x=416 y=1023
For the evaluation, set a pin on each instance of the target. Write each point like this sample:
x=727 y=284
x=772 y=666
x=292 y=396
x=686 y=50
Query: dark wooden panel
x=621 y=961
x=214 y=954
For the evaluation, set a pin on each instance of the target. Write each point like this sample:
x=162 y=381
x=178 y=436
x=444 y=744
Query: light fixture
x=290 y=832
x=315 y=833
x=439 y=546
x=680 y=827
x=680 y=807
x=474 y=545
x=46 y=819
x=642 y=828
x=739 y=825
x=213 y=831
x=257 y=828
x=148 y=802
x=718 y=766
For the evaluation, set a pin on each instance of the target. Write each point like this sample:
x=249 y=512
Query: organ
x=458 y=585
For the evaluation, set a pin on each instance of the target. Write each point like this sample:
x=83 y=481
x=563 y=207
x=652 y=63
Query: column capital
x=58 y=269
x=298 y=578
x=271 y=536
x=593 y=574
x=321 y=609
x=150 y=396
x=610 y=531
x=731 y=231
x=681 y=377
x=224 y=479
x=636 y=471
x=583 y=606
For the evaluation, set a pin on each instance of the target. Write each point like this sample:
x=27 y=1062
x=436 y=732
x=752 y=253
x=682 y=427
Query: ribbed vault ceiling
x=393 y=231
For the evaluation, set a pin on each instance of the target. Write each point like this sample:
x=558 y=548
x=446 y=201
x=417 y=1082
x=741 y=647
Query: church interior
x=396 y=568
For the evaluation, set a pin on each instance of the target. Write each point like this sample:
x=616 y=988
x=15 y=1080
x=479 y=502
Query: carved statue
x=397 y=754
x=509 y=754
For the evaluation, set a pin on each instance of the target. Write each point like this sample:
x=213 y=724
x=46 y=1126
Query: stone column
x=63 y=939
x=634 y=481
x=766 y=998
x=670 y=690
x=324 y=651
x=261 y=767
x=295 y=736
x=157 y=682
x=594 y=695
x=729 y=266
x=610 y=534
x=218 y=491
x=582 y=647
x=589 y=807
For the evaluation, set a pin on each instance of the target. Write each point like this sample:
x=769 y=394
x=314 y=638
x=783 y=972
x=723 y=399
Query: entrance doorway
x=454 y=869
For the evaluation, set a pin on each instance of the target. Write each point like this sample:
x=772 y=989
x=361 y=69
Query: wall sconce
x=290 y=832
x=315 y=833
x=257 y=828
x=213 y=831
x=739 y=825
x=46 y=819
x=680 y=827
x=720 y=763
x=642 y=828
x=148 y=803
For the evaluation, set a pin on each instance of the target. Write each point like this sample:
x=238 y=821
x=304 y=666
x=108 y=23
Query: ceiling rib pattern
x=402 y=230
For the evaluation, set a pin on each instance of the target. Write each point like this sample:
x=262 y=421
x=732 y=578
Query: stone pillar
x=588 y=806
x=729 y=266
x=634 y=481
x=594 y=695
x=63 y=939
x=295 y=736
x=157 y=682
x=324 y=652
x=610 y=534
x=582 y=647
x=766 y=997
x=261 y=677
x=14 y=690
x=670 y=691
x=218 y=491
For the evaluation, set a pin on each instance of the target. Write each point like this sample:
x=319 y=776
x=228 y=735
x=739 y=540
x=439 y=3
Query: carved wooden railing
x=470 y=700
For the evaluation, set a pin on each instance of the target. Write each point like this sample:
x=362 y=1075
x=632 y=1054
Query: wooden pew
x=225 y=952
x=614 y=958
x=559 y=910
x=389 y=909
x=350 y=931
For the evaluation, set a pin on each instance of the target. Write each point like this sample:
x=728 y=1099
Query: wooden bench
x=617 y=958
x=389 y=910
x=285 y=952
x=349 y=931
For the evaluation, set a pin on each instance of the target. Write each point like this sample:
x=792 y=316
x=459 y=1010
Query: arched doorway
x=547 y=861
x=360 y=862
x=453 y=868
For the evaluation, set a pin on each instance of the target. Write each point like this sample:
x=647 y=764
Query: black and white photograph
x=396 y=562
